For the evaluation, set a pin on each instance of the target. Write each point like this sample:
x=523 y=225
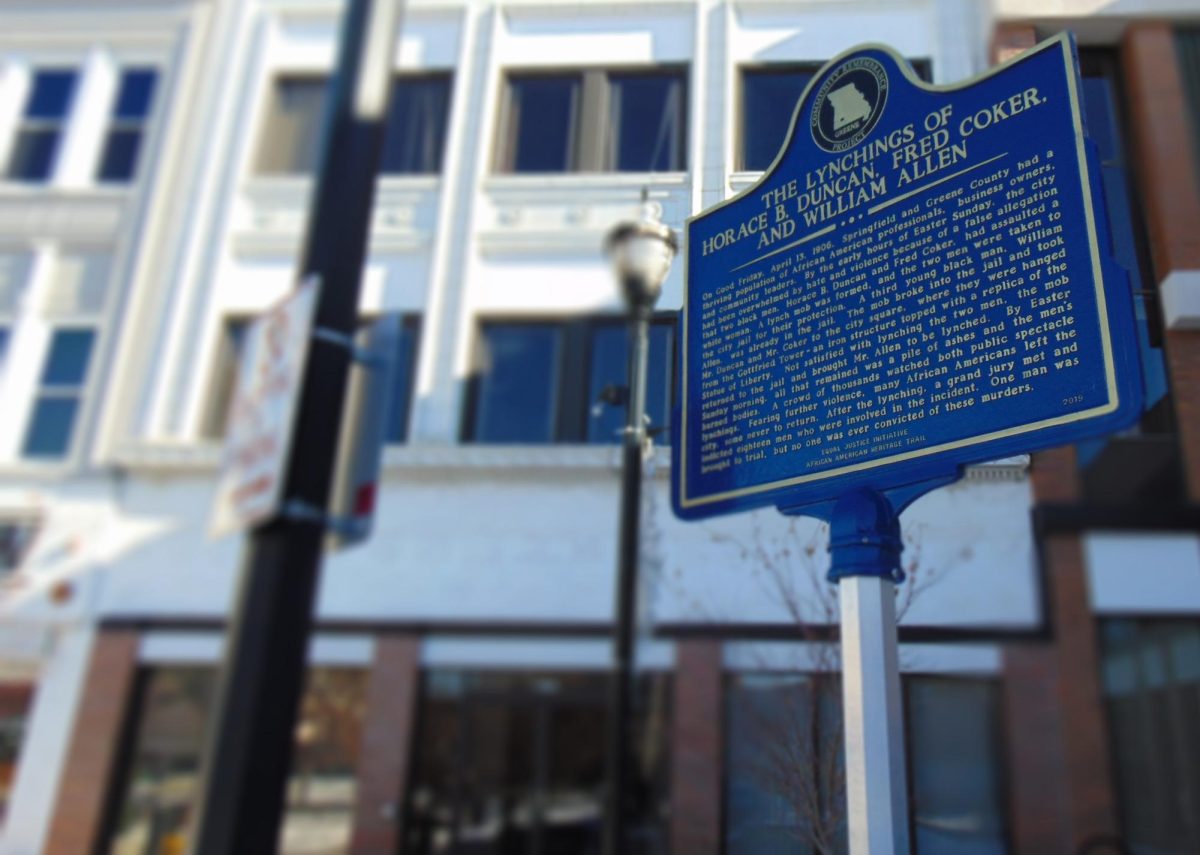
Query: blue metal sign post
x=920 y=281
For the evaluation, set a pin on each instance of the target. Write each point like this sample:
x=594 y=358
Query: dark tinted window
x=954 y=738
x=118 y=161
x=1188 y=49
x=542 y=122
x=1151 y=674
x=517 y=395
x=542 y=382
x=595 y=121
x=136 y=93
x=68 y=360
x=413 y=142
x=4 y=334
x=230 y=347
x=785 y=784
x=160 y=783
x=514 y=763
x=35 y=148
x=609 y=367
x=646 y=122
x=416 y=125
x=1104 y=127
x=403 y=373
x=15 y=540
x=292 y=130
x=33 y=154
x=769 y=98
x=56 y=405
x=51 y=427
x=50 y=97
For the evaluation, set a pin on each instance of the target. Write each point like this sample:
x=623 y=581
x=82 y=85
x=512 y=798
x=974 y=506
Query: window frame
x=32 y=523
x=1145 y=630
x=260 y=146
x=444 y=75
x=571 y=416
x=411 y=324
x=592 y=150
x=118 y=124
x=221 y=382
x=35 y=124
x=61 y=391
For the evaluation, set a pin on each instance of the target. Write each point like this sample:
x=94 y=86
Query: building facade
x=158 y=158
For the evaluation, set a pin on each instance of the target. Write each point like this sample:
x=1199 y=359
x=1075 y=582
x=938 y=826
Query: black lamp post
x=641 y=253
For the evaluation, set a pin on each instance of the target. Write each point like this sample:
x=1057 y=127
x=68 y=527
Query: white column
x=27 y=351
x=447 y=330
x=87 y=123
x=15 y=81
x=47 y=738
x=876 y=796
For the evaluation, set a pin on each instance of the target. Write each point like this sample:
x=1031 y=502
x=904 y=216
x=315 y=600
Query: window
x=158 y=786
x=16 y=536
x=403 y=374
x=118 y=162
x=59 y=393
x=1104 y=121
x=1187 y=43
x=323 y=782
x=1151 y=679
x=230 y=347
x=416 y=125
x=413 y=142
x=769 y=97
x=595 y=121
x=514 y=762
x=609 y=367
x=293 y=126
x=537 y=381
x=785 y=782
x=14 y=274
x=35 y=149
x=15 y=700
x=783 y=790
x=543 y=119
x=957 y=802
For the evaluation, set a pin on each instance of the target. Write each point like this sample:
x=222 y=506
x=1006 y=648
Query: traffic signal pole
x=248 y=752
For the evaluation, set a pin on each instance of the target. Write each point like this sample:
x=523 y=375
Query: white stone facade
x=467 y=533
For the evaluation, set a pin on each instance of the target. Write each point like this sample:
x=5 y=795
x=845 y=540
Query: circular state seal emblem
x=848 y=104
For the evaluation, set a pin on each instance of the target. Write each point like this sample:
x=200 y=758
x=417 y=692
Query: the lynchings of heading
x=854 y=178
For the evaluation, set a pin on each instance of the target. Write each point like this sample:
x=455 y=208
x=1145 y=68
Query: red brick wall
x=15 y=699
x=1036 y=799
x=1162 y=142
x=1092 y=799
x=87 y=773
x=1061 y=783
x=385 y=754
x=1008 y=40
x=697 y=755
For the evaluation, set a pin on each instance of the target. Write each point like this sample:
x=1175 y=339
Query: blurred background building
x=157 y=159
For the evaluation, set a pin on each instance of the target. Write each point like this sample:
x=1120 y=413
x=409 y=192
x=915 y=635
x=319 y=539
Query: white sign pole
x=876 y=792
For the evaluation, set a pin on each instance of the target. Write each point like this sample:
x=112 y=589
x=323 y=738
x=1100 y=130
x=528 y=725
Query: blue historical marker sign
x=920 y=281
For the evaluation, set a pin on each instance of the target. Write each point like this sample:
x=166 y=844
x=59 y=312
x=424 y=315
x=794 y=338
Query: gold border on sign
x=1061 y=40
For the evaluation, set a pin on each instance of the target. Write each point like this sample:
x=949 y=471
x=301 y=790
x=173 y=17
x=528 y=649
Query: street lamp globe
x=641 y=253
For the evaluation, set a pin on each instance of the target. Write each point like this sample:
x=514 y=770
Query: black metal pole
x=621 y=688
x=249 y=746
